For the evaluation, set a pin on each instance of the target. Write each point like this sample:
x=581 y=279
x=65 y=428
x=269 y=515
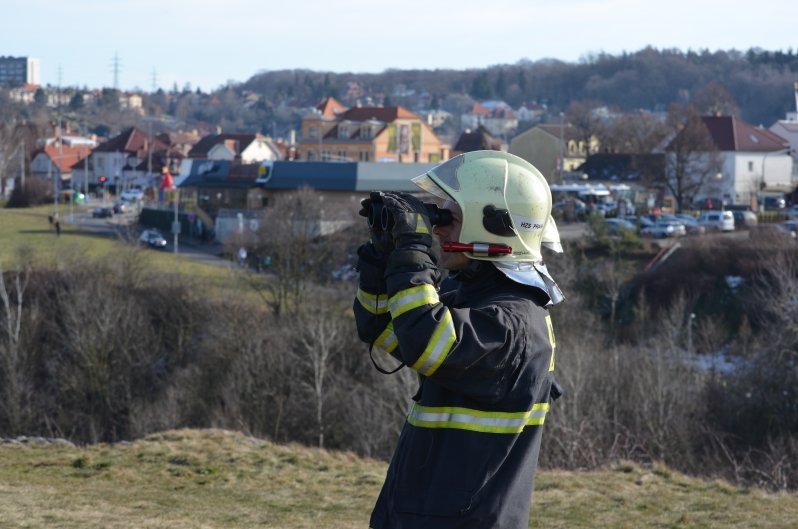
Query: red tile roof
x=385 y=114
x=132 y=141
x=65 y=157
x=732 y=134
x=330 y=107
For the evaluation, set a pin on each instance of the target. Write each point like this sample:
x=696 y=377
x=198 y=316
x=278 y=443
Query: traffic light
x=103 y=179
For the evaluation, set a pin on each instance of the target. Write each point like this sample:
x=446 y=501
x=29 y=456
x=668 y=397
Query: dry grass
x=218 y=479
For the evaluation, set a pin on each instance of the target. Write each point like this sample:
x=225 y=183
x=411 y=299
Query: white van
x=717 y=220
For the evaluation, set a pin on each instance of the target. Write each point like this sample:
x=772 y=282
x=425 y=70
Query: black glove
x=371 y=209
x=410 y=227
x=371 y=265
x=412 y=261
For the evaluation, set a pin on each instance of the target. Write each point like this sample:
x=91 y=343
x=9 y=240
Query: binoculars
x=380 y=218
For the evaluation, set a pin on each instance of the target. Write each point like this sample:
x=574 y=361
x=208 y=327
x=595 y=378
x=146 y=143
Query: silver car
x=662 y=229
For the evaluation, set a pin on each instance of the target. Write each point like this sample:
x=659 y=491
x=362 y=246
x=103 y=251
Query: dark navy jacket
x=467 y=455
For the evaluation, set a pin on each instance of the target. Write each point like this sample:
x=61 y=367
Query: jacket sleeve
x=371 y=301
x=475 y=351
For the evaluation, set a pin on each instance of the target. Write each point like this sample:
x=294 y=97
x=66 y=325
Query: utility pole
x=115 y=67
x=562 y=147
x=176 y=223
x=22 y=164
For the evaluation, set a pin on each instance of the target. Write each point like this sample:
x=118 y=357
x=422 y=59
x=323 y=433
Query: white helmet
x=504 y=200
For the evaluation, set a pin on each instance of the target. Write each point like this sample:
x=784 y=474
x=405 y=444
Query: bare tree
x=636 y=133
x=320 y=341
x=715 y=99
x=692 y=158
x=301 y=239
x=15 y=386
x=12 y=153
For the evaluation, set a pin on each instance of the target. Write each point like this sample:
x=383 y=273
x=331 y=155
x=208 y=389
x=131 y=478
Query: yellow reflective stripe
x=551 y=341
x=411 y=298
x=477 y=420
x=421 y=226
x=372 y=302
x=438 y=347
x=386 y=341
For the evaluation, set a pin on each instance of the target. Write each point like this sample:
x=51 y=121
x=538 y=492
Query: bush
x=35 y=193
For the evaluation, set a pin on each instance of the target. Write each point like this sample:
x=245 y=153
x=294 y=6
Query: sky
x=208 y=43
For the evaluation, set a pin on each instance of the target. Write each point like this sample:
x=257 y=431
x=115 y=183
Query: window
x=312 y=132
x=750 y=166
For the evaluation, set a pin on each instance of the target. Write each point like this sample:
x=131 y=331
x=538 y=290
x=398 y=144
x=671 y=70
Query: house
x=531 y=112
x=244 y=148
x=182 y=141
x=478 y=140
x=133 y=158
x=788 y=129
x=554 y=149
x=496 y=116
x=750 y=162
x=55 y=161
x=332 y=132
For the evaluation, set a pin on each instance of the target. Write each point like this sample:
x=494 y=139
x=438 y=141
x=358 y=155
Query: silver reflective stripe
x=372 y=302
x=411 y=298
x=438 y=347
x=386 y=341
x=477 y=420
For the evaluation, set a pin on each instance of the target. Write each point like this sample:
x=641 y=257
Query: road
x=125 y=226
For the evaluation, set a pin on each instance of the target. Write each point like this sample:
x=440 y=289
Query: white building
x=752 y=161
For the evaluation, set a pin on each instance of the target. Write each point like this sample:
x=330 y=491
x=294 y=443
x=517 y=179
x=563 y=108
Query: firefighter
x=484 y=352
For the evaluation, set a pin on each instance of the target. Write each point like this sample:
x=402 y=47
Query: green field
x=29 y=229
x=219 y=479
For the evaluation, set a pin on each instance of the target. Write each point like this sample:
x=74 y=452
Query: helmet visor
x=428 y=184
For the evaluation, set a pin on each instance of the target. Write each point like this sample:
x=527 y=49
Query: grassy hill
x=220 y=479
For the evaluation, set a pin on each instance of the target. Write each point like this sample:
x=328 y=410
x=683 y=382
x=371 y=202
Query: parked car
x=744 y=220
x=570 y=208
x=102 y=212
x=607 y=208
x=717 y=220
x=152 y=238
x=120 y=206
x=691 y=225
x=774 y=203
x=131 y=195
x=792 y=212
x=617 y=226
x=662 y=229
x=790 y=226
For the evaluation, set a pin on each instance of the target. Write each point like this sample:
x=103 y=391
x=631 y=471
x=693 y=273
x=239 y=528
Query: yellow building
x=368 y=134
